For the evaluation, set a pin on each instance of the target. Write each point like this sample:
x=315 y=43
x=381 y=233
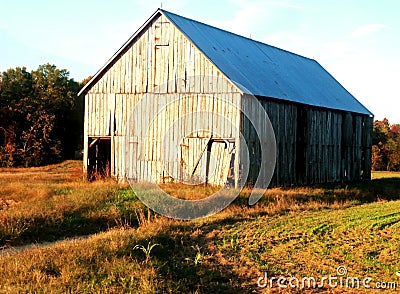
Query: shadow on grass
x=366 y=191
x=86 y=220
x=386 y=189
x=72 y=225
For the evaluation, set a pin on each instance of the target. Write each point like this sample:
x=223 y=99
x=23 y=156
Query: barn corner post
x=367 y=124
x=85 y=138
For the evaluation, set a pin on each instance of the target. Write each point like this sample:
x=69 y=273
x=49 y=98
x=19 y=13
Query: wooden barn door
x=208 y=161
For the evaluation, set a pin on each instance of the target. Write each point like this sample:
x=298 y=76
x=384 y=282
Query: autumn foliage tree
x=40 y=116
x=386 y=146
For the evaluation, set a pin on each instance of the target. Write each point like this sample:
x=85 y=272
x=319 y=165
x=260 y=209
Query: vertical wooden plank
x=128 y=64
x=138 y=70
x=171 y=61
x=122 y=74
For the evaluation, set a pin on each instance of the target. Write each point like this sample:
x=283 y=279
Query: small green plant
x=198 y=257
x=146 y=250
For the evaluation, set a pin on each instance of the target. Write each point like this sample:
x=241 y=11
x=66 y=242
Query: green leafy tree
x=15 y=92
x=40 y=143
x=393 y=149
x=386 y=146
x=40 y=116
x=380 y=134
x=56 y=94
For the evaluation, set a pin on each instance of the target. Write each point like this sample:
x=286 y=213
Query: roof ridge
x=235 y=34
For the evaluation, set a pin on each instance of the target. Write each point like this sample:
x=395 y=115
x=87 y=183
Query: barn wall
x=161 y=62
x=161 y=159
x=313 y=145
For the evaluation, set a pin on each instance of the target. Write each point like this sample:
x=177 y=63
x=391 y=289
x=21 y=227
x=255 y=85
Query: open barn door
x=99 y=158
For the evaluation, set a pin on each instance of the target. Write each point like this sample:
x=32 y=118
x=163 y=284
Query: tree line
x=386 y=146
x=41 y=116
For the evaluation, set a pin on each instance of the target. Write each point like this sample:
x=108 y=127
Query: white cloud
x=287 y=5
x=367 y=29
x=270 y=3
x=250 y=17
x=245 y=18
x=285 y=37
x=337 y=50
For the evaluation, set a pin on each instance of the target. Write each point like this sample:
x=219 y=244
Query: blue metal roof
x=264 y=70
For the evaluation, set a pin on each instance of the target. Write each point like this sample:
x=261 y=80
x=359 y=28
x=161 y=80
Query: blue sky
x=357 y=41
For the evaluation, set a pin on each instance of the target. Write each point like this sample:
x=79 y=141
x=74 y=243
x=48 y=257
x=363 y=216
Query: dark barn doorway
x=99 y=158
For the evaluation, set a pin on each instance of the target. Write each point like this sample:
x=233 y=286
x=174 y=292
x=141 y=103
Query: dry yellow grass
x=385 y=174
x=52 y=202
x=188 y=192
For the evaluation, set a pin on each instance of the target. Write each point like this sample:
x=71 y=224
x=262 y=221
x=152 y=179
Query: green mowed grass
x=365 y=239
x=124 y=248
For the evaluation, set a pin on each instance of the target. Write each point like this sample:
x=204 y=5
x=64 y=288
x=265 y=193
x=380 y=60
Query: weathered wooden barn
x=323 y=134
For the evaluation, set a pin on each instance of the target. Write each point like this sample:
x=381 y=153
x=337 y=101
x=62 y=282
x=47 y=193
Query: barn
x=168 y=107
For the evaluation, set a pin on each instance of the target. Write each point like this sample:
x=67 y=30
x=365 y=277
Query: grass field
x=60 y=234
